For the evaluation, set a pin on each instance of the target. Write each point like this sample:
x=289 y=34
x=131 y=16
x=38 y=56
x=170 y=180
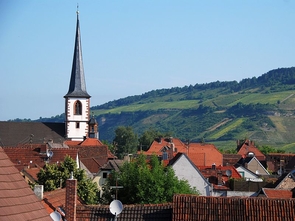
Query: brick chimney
x=219 y=178
x=71 y=199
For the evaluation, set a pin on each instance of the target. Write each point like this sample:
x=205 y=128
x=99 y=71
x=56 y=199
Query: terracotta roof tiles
x=275 y=193
x=191 y=207
x=143 y=212
x=34 y=155
x=204 y=154
x=54 y=199
x=249 y=147
x=17 y=200
x=201 y=154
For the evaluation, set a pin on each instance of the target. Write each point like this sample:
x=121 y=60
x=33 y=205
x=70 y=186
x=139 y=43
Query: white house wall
x=246 y=174
x=185 y=170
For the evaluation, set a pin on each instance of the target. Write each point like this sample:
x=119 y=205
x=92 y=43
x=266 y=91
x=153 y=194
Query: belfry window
x=78 y=108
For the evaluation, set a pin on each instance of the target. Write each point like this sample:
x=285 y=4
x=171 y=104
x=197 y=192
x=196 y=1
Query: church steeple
x=77 y=100
x=77 y=86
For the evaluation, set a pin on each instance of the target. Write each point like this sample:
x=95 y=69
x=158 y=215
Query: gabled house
x=17 y=200
x=104 y=171
x=253 y=164
x=248 y=174
x=185 y=169
x=248 y=149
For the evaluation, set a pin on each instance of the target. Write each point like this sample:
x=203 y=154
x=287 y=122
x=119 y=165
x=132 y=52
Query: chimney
x=219 y=178
x=71 y=199
x=38 y=190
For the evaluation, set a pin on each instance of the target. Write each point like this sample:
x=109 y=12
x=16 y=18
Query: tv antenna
x=116 y=208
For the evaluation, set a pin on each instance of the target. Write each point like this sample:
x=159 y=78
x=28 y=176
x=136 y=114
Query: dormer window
x=78 y=108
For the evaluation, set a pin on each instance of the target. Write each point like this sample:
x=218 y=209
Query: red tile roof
x=201 y=154
x=143 y=212
x=94 y=157
x=34 y=155
x=231 y=159
x=204 y=154
x=234 y=173
x=249 y=147
x=157 y=146
x=191 y=207
x=31 y=173
x=54 y=199
x=17 y=200
x=275 y=193
x=218 y=176
x=87 y=142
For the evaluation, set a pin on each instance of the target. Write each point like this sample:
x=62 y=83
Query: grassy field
x=225 y=129
x=271 y=98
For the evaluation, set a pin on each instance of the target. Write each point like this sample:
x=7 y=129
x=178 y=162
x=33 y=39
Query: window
x=104 y=175
x=242 y=173
x=77 y=125
x=78 y=108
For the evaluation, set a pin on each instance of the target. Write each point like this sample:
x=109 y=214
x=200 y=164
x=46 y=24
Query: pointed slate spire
x=77 y=83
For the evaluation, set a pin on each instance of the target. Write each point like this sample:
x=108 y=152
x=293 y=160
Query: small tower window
x=77 y=125
x=78 y=108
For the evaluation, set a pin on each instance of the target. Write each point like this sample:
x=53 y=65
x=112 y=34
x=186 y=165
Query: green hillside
x=261 y=109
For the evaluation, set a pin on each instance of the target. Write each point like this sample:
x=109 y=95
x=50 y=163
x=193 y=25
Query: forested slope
x=259 y=108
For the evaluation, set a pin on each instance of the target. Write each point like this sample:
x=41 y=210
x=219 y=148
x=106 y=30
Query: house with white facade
x=186 y=170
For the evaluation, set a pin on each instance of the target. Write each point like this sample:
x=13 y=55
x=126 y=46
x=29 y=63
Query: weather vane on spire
x=77 y=8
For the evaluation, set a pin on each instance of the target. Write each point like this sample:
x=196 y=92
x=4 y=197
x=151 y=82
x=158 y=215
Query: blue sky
x=134 y=46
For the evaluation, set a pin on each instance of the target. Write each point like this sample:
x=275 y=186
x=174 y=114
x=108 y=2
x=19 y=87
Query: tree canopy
x=54 y=176
x=145 y=181
x=125 y=141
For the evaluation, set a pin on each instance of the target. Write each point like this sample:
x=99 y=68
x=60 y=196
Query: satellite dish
x=55 y=216
x=228 y=173
x=251 y=154
x=116 y=207
x=49 y=154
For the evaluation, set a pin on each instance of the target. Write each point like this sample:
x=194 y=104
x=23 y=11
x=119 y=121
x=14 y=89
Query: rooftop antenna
x=116 y=208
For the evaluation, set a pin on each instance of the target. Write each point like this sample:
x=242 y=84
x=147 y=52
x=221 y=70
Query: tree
x=54 y=176
x=146 y=181
x=147 y=138
x=267 y=149
x=125 y=141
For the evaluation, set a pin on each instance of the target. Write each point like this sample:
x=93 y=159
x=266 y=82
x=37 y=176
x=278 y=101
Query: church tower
x=77 y=100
